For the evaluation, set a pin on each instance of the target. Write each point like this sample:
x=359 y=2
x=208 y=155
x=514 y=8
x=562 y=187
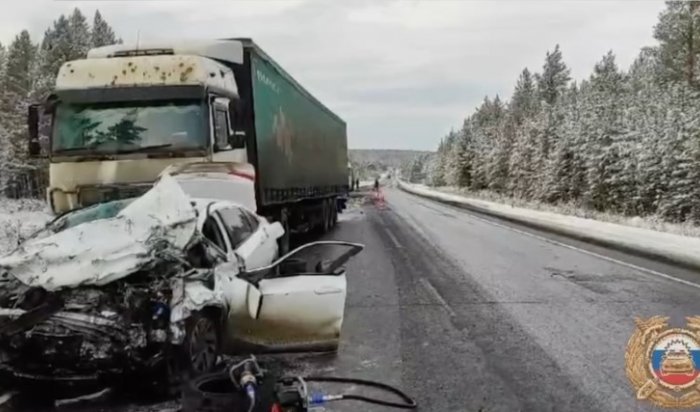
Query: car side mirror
x=34 y=147
x=275 y=230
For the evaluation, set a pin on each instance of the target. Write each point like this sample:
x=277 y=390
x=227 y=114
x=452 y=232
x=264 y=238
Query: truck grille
x=89 y=195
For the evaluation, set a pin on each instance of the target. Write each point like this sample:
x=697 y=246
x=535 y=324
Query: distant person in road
x=357 y=184
x=376 y=184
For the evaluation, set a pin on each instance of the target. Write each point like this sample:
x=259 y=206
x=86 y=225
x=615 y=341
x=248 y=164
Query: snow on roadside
x=654 y=244
x=647 y=222
x=20 y=218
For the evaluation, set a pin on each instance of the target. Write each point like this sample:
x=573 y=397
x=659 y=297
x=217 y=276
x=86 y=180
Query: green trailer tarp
x=301 y=146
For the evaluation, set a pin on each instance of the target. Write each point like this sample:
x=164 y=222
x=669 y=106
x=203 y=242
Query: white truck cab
x=169 y=104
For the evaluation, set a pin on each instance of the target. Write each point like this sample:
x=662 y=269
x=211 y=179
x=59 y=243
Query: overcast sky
x=401 y=73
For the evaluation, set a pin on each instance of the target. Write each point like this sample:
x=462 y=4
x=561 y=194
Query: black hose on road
x=408 y=402
x=215 y=392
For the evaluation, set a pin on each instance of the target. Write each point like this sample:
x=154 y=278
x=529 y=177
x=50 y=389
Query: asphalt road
x=467 y=314
x=470 y=315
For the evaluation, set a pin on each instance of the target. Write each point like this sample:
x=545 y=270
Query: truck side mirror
x=34 y=147
x=236 y=137
x=236 y=140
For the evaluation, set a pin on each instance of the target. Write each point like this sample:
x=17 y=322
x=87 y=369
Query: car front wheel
x=197 y=355
x=202 y=343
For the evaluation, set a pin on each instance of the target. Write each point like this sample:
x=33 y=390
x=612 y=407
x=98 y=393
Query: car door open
x=298 y=302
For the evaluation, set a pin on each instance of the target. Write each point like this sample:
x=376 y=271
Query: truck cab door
x=298 y=302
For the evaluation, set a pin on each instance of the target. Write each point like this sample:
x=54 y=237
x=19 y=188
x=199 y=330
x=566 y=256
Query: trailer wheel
x=334 y=212
x=325 y=217
x=283 y=241
x=329 y=214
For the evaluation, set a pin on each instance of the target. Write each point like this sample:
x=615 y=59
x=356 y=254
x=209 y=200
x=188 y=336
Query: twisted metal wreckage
x=89 y=302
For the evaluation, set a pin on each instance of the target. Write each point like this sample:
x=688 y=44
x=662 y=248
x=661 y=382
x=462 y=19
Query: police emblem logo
x=663 y=364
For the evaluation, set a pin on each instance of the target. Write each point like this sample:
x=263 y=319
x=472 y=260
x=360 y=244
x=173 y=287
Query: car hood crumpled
x=102 y=251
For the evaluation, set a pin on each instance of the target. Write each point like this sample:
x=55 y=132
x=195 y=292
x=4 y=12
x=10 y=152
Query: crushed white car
x=160 y=283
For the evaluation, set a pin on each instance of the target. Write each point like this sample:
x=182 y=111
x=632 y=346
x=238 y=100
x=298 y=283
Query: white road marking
x=393 y=238
x=431 y=289
x=588 y=252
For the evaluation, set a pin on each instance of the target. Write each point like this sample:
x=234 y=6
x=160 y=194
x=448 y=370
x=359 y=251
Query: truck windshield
x=129 y=127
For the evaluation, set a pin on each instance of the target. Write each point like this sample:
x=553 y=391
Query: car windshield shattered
x=106 y=242
x=73 y=218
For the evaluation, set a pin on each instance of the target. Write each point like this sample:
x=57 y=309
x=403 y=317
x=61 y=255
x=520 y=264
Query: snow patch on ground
x=20 y=218
x=648 y=222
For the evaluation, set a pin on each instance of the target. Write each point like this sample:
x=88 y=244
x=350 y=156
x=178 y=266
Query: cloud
x=401 y=72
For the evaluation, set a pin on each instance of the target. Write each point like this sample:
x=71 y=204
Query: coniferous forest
x=623 y=140
x=27 y=70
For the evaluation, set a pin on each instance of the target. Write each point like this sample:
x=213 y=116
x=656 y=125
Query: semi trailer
x=125 y=113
